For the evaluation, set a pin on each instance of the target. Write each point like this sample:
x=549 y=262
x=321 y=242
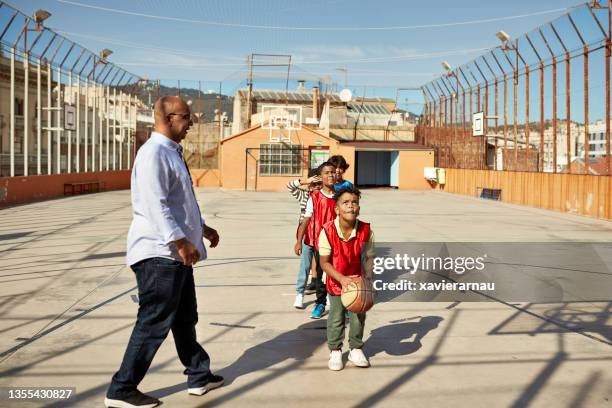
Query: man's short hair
x=314 y=172
x=326 y=164
x=347 y=189
x=339 y=162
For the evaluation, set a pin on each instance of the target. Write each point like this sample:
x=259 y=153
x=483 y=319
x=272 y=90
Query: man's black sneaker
x=136 y=400
x=214 y=381
x=311 y=288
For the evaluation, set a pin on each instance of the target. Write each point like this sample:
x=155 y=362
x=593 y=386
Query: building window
x=19 y=107
x=279 y=159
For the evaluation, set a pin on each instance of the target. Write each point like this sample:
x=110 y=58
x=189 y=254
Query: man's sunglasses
x=186 y=116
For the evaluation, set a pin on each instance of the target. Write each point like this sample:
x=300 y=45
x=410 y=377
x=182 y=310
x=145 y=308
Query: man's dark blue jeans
x=166 y=301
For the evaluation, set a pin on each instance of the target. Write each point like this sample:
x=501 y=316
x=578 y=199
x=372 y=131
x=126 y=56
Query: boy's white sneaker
x=335 y=360
x=299 y=301
x=357 y=357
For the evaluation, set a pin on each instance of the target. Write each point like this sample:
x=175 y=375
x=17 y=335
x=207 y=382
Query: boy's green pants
x=335 y=325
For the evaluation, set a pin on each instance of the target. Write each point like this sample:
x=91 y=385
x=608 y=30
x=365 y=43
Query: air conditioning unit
x=435 y=174
x=430 y=173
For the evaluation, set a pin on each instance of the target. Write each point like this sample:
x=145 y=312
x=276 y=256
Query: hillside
x=210 y=102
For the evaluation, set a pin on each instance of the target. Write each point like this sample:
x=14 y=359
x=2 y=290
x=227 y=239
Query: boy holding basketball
x=346 y=249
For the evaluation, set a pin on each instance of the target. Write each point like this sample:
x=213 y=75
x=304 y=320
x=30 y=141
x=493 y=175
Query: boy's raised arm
x=294 y=188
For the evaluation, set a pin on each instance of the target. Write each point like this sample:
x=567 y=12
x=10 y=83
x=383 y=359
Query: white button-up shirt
x=164 y=206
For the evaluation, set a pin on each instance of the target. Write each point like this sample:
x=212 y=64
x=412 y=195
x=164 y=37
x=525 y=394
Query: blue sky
x=192 y=51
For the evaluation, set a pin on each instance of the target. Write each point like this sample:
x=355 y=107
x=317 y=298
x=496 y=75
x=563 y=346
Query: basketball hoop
x=280 y=129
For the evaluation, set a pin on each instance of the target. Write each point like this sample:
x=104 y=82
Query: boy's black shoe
x=214 y=381
x=311 y=288
x=136 y=400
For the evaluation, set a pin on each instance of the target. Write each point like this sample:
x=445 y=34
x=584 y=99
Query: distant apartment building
x=552 y=144
x=597 y=139
x=112 y=117
x=576 y=145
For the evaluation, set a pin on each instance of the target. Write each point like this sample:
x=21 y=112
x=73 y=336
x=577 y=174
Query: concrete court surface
x=67 y=306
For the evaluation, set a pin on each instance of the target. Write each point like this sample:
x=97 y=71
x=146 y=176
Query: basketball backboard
x=69 y=117
x=281 y=120
x=478 y=124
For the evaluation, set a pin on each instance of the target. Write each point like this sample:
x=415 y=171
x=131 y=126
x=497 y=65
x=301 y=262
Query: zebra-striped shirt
x=299 y=194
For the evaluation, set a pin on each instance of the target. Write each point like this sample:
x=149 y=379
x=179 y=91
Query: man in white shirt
x=164 y=242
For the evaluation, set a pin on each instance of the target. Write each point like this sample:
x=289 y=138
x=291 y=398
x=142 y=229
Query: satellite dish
x=346 y=95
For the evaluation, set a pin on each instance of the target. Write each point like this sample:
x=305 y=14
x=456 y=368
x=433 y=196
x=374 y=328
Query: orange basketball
x=358 y=295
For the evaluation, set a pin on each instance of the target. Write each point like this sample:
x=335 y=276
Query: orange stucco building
x=249 y=161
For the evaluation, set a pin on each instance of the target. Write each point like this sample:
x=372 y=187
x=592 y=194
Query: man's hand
x=211 y=235
x=187 y=251
x=297 y=248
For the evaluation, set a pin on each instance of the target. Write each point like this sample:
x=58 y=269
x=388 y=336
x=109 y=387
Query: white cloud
x=304 y=54
x=323 y=51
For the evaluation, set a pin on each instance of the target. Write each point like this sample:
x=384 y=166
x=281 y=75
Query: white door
x=394 y=169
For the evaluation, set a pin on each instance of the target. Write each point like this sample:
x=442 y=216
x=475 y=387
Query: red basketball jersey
x=345 y=256
x=308 y=235
x=323 y=212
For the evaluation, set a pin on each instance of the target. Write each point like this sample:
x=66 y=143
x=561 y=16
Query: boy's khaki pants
x=335 y=325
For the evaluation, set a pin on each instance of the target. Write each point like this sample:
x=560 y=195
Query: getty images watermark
x=411 y=264
x=483 y=271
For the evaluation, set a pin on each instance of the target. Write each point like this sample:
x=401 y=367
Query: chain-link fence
x=63 y=108
x=538 y=103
